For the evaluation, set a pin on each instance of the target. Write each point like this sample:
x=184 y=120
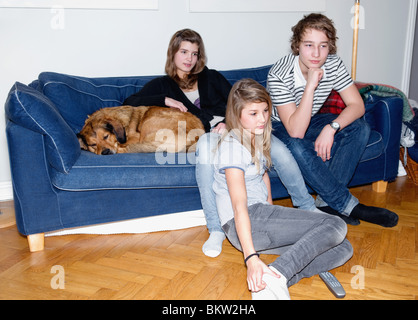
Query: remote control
x=333 y=284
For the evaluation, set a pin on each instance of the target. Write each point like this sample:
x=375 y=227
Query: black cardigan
x=213 y=91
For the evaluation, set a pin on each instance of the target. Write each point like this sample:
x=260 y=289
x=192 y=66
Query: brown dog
x=128 y=129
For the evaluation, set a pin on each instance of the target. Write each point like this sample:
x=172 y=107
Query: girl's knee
x=203 y=141
x=349 y=251
x=337 y=228
x=206 y=147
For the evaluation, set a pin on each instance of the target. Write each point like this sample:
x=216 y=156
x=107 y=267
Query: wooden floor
x=171 y=265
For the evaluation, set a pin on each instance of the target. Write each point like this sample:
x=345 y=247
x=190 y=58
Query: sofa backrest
x=76 y=97
x=259 y=74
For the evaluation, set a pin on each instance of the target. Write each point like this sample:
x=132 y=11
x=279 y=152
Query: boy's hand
x=324 y=142
x=314 y=76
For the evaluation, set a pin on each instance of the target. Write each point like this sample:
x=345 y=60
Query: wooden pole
x=355 y=40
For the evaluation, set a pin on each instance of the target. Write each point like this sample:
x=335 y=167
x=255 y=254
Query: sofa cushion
x=148 y=170
x=76 y=97
x=128 y=171
x=27 y=107
x=375 y=147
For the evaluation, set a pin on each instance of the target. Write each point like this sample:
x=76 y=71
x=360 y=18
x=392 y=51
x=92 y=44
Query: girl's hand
x=324 y=142
x=255 y=271
x=169 y=102
x=220 y=128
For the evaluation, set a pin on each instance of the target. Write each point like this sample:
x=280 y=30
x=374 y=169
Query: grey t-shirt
x=232 y=154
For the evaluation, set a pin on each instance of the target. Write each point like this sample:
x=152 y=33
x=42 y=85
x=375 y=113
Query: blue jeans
x=205 y=152
x=308 y=242
x=283 y=162
x=329 y=179
x=289 y=173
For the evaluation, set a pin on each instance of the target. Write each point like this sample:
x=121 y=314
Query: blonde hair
x=318 y=22
x=243 y=92
x=174 y=46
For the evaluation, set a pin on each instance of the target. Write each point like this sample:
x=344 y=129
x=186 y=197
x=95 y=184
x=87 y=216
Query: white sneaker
x=265 y=294
x=276 y=288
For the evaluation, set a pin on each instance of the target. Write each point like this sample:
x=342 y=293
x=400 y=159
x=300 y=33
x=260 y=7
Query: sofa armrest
x=384 y=115
x=35 y=199
x=30 y=109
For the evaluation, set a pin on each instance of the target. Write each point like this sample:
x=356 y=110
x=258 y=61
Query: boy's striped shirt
x=286 y=84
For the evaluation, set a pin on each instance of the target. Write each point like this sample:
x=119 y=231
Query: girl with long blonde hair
x=248 y=217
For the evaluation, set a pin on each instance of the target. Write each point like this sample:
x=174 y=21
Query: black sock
x=347 y=219
x=380 y=216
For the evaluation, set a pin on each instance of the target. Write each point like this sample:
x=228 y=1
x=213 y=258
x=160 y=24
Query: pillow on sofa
x=76 y=97
x=29 y=108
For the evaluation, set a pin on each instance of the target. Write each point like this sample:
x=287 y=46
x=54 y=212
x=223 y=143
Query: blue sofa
x=56 y=185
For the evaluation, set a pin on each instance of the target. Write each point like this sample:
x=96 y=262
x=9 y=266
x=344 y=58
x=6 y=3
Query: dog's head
x=102 y=136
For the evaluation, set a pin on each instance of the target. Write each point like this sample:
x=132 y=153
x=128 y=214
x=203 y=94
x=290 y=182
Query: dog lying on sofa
x=128 y=129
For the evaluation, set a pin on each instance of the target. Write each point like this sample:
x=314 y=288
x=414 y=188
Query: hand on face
x=314 y=77
x=313 y=53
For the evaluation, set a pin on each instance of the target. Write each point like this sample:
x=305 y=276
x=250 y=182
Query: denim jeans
x=289 y=173
x=205 y=152
x=329 y=179
x=283 y=162
x=308 y=242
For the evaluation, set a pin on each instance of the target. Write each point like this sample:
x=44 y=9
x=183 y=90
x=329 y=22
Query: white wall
x=413 y=86
x=133 y=42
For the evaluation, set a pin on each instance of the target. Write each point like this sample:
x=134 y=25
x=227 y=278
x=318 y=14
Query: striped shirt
x=286 y=83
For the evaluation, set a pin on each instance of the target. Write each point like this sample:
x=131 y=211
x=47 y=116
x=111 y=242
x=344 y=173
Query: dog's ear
x=82 y=141
x=117 y=128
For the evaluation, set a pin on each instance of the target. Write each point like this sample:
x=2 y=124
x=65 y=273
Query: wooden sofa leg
x=380 y=186
x=36 y=242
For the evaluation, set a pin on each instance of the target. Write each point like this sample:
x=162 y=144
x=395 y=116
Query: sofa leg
x=380 y=186
x=36 y=242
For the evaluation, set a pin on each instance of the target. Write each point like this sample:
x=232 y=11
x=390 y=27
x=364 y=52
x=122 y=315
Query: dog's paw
x=122 y=149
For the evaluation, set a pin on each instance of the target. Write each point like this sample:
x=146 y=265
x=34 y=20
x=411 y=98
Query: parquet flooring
x=170 y=265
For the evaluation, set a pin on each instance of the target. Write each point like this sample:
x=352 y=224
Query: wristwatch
x=335 y=125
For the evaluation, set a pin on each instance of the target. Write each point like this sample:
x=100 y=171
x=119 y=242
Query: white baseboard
x=171 y=221
x=6 y=191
